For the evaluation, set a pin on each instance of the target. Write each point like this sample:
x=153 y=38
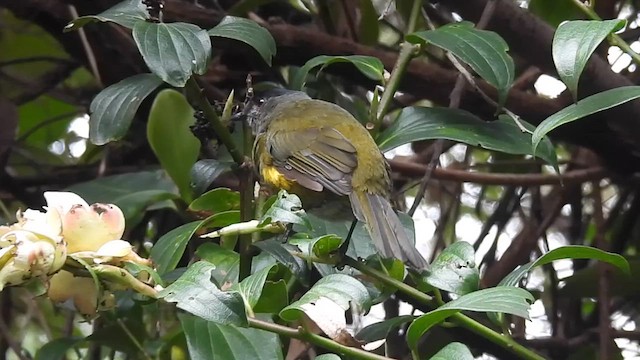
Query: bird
x=316 y=149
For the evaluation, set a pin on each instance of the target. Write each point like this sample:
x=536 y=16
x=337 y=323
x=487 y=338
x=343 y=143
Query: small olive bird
x=315 y=148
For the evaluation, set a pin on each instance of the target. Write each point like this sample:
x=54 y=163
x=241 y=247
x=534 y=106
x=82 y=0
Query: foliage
x=237 y=273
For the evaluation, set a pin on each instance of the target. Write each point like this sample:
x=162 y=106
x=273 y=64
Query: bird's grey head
x=264 y=103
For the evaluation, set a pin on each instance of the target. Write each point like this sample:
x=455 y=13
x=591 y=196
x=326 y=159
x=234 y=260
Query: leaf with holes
x=195 y=293
x=455 y=270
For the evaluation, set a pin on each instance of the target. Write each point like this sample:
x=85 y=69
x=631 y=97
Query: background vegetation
x=424 y=93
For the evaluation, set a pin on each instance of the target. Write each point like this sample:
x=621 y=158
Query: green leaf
x=380 y=330
x=57 y=349
x=485 y=51
x=510 y=300
x=131 y=192
x=205 y=171
x=566 y=252
x=249 y=32
x=455 y=350
x=321 y=247
x=274 y=297
x=423 y=123
x=369 y=66
x=455 y=270
x=216 y=200
x=369 y=30
x=555 y=11
x=344 y=290
x=173 y=51
x=210 y=341
x=108 y=188
x=171 y=139
x=114 y=107
x=277 y=250
x=225 y=273
x=584 y=283
x=168 y=250
x=573 y=44
x=126 y=13
x=287 y=209
x=195 y=293
x=587 y=106
x=251 y=287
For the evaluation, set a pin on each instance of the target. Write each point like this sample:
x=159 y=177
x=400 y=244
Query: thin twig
x=93 y=64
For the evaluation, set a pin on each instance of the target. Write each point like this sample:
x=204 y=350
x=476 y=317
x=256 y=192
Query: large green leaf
x=173 y=51
x=132 y=192
x=485 y=51
x=343 y=290
x=455 y=270
x=114 y=107
x=205 y=171
x=555 y=11
x=216 y=200
x=423 y=123
x=280 y=252
x=210 y=341
x=584 y=283
x=510 y=300
x=250 y=288
x=168 y=250
x=226 y=262
x=566 y=252
x=287 y=209
x=369 y=66
x=126 y=13
x=455 y=350
x=171 y=139
x=58 y=348
x=369 y=30
x=573 y=44
x=108 y=188
x=249 y=32
x=587 y=106
x=380 y=330
x=195 y=293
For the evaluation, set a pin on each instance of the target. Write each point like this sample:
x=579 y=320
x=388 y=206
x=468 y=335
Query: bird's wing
x=317 y=158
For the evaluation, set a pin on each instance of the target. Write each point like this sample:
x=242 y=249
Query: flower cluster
x=72 y=232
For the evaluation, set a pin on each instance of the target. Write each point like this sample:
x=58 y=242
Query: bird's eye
x=261 y=101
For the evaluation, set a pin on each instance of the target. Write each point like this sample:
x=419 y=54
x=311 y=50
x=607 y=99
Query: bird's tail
x=385 y=228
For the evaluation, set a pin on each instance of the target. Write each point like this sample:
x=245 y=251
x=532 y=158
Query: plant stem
x=247 y=212
x=459 y=318
x=318 y=340
x=499 y=339
x=406 y=53
x=196 y=95
x=414 y=15
x=387 y=280
x=614 y=39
